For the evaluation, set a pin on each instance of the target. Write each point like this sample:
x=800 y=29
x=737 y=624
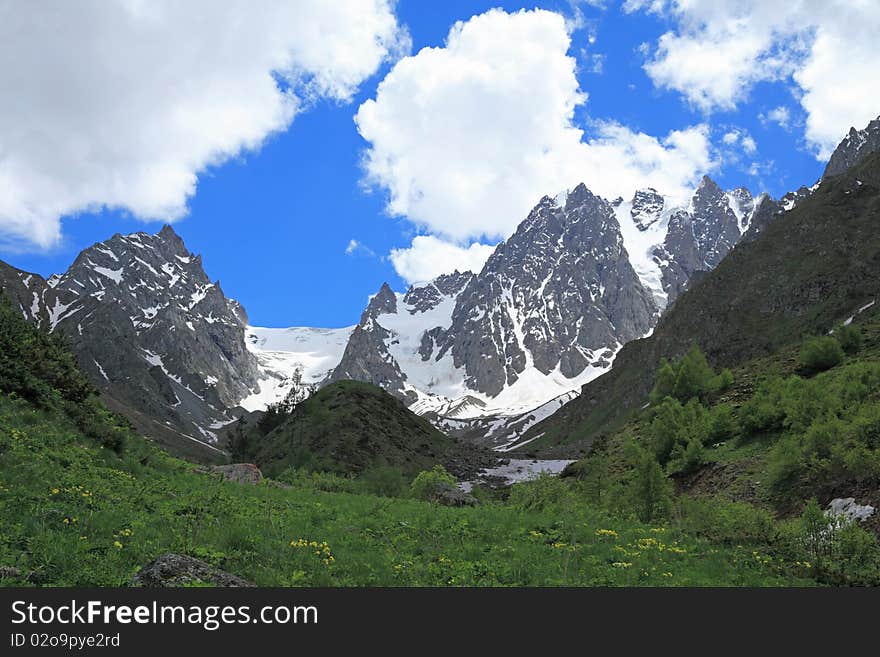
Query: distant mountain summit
x=156 y=335
x=560 y=296
x=553 y=304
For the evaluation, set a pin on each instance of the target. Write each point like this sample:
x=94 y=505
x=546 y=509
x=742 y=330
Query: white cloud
x=778 y=115
x=467 y=137
x=741 y=137
x=721 y=48
x=123 y=104
x=428 y=257
x=356 y=247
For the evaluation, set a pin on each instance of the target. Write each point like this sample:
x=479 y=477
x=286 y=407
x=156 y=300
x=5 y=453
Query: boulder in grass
x=173 y=570
x=242 y=473
x=845 y=509
x=448 y=495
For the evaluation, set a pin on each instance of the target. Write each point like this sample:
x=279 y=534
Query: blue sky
x=274 y=222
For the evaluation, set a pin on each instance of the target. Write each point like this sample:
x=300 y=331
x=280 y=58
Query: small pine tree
x=816 y=533
x=594 y=476
x=665 y=384
x=650 y=490
x=722 y=423
x=722 y=382
x=694 y=377
x=665 y=428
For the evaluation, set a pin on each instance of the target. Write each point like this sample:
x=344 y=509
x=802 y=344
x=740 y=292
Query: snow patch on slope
x=433 y=377
x=640 y=245
x=282 y=351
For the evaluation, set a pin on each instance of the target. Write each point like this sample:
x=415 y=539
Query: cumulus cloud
x=721 y=48
x=466 y=138
x=428 y=257
x=123 y=104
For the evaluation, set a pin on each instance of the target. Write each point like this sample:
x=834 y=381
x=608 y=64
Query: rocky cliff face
x=558 y=297
x=548 y=311
x=367 y=356
x=158 y=338
x=392 y=344
x=699 y=235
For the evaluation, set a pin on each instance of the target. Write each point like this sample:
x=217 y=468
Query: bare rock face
x=156 y=336
x=366 y=357
x=679 y=255
x=700 y=235
x=420 y=299
x=647 y=207
x=560 y=293
x=173 y=570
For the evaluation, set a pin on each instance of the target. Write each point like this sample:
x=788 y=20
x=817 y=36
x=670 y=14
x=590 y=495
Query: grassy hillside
x=346 y=427
x=76 y=514
x=803 y=423
x=85 y=501
x=810 y=269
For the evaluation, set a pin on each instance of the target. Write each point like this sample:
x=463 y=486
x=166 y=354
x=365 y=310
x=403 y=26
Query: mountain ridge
x=810 y=268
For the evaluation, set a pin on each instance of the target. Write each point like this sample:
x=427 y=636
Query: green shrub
x=850 y=338
x=854 y=557
x=727 y=522
x=820 y=354
x=865 y=426
x=688 y=458
x=689 y=378
x=764 y=410
x=722 y=424
x=804 y=401
x=428 y=482
x=675 y=425
x=722 y=382
x=384 y=481
x=329 y=482
x=544 y=492
x=814 y=527
x=784 y=465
